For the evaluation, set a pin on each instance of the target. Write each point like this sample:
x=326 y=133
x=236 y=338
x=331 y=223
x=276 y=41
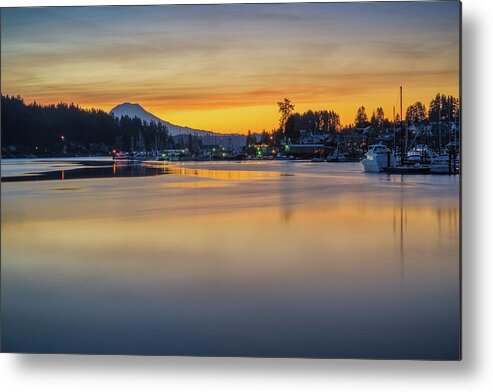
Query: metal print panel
x=267 y=180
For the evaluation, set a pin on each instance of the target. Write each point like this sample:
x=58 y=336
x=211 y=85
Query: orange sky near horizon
x=224 y=67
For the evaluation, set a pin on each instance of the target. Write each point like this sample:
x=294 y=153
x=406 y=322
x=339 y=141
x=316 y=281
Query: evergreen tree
x=416 y=113
x=361 y=119
x=285 y=108
x=56 y=129
x=380 y=119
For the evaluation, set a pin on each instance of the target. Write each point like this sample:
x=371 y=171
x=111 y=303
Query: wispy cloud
x=203 y=59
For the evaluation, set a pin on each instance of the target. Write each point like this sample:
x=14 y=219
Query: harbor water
x=257 y=258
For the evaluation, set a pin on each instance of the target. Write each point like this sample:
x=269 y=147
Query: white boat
x=337 y=156
x=442 y=164
x=120 y=156
x=419 y=154
x=132 y=156
x=139 y=156
x=378 y=158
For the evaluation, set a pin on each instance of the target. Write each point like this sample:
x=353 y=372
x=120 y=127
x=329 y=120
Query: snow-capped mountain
x=178 y=132
x=135 y=110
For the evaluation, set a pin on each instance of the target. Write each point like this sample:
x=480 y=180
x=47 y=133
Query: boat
x=378 y=158
x=318 y=159
x=440 y=164
x=414 y=164
x=444 y=164
x=120 y=156
x=283 y=157
x=130 y=156
x=139 y=156
x=338 y=156
x=419 y=154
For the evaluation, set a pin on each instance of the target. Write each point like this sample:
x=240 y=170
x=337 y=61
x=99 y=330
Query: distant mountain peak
x=131 y=104
x=136 y=110
x=208 y=137
x=128 y=107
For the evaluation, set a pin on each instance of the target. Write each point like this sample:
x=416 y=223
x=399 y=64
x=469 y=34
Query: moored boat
x=120 y=156
x=419 y=154
x=378 y=158
x=444 y=164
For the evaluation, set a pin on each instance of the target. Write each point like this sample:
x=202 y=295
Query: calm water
x=245 y=259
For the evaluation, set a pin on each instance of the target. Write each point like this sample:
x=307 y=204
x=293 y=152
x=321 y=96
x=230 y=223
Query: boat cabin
x=378 y=148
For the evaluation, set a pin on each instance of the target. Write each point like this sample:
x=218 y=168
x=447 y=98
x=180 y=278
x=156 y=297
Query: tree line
x=322 y=121
x=67 y=128
x=441 y=108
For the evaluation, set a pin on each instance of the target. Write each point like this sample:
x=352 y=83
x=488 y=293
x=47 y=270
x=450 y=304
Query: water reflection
x=76 y=170
x=218 y=174
x=104 y=169
x=286 y=190
x=313 y=263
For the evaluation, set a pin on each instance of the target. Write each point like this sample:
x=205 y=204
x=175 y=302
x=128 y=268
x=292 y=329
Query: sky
x=225 y=67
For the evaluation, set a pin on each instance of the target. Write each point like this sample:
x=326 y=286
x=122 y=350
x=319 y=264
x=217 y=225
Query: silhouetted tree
x=380 y=118
x=292 y=127
x=444 y=108
x=285 y=108
x=361 y=119
x=55 y=129
x=264 y=137
x=416 y=113
x=250 y=139
x=334 y=121
x=315 y=122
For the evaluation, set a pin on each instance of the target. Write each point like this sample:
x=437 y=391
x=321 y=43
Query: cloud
x=198 y=58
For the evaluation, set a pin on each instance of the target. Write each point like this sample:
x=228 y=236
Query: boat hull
x=440 y=168
x=407 y=170
x=376 y=164
x=444 y=168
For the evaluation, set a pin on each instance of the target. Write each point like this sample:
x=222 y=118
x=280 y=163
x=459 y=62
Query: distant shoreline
x=58 y=157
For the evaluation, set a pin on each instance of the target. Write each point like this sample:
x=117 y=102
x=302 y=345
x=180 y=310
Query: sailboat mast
x=449 y=122
x=457 y=125
x=393 y=121
x=440 y=128
x=405 y=127
x=402 y=131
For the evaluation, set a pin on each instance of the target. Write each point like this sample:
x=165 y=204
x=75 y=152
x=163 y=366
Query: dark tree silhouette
x=444 y=108
x=361 y=119
x=416 y=113
x=285 y=108
x=67 y=128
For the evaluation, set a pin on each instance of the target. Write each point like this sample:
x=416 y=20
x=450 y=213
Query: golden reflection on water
x=216 y=174
x=234 y=256
x=227 y=175
x=344 y=244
